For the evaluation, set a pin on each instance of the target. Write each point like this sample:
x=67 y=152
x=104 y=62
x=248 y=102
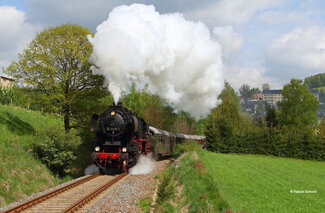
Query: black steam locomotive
x=121 y=136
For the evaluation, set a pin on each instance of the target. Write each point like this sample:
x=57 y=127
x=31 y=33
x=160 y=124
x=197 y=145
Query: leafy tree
x=229 y=93
x=299 y=107
x=265 y=86
x=315 y=81
x=244 y=91
x=260 y=108
x=55 y=65
x=322 y=95
x=134 y=101
x=247 y=92
x=223 y=123
x=271 y=119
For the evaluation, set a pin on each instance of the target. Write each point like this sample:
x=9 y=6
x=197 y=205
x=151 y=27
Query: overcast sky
x=263 y=41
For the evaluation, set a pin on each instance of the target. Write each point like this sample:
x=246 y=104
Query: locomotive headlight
x=113 y=113
x=124 y=149
x=97 y=148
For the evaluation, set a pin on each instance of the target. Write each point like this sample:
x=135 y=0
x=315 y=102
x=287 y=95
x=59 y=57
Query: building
x=6 y=81
x=272 y=96
x=256 y=97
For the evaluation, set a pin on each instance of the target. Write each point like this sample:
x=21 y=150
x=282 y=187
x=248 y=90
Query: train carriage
x=161 y=142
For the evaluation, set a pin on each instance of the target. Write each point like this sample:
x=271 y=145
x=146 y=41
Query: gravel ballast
x=124 y=196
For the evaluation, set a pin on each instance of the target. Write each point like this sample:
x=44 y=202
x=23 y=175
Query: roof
x=272 y=91
x=161 y=132
x=7 y=77
x=178 y=135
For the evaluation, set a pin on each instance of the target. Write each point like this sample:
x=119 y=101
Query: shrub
x=166 y=188
x=56 y=148
x=186 y=147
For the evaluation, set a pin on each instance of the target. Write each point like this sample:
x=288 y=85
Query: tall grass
x=188 y=187
x=20 y=173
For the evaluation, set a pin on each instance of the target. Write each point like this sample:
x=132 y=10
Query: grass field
x=253 y=183
x=20 y=173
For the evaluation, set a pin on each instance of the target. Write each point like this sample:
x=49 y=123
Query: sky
x=263 y=41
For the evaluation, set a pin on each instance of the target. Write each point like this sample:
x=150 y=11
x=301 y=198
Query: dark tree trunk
x=67 y=126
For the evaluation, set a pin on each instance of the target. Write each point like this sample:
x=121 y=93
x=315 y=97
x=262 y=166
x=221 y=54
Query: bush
x=8 y=95
x=166 y=188
x=186 y=147
x=56 y=148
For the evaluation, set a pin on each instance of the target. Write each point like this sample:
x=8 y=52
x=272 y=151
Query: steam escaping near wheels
x=144 y=165
x=91 y=169
x=177 y=58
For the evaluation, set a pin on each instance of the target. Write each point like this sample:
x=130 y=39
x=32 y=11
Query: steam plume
x=177 y=58
x=144 y=165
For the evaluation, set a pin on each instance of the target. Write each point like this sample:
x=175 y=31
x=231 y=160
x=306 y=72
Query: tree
x=247 y=92
x=260 y=108
x=299 y=107
x=55 y=65
x=271 y=119
x=229 y=93
x=265 y=86
x=224 y=121
x=315 y=81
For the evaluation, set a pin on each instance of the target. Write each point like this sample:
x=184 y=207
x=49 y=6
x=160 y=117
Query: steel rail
x=79 y=204
x=48 y=195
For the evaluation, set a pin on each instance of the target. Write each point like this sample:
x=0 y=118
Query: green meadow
x=253 y=183
x=20 y=173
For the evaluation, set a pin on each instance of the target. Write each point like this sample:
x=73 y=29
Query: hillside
x=20 y=173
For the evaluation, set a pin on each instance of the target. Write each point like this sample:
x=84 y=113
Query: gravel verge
x=124 y=196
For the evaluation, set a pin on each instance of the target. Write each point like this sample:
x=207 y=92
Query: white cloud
x=302 y=16
x=234 y=12
x=229 y=40
x=237 y=76
x=15 y=34
x=297 y=54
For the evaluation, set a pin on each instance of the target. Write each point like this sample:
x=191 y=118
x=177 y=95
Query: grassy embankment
x=214 y=182
x=20 y=173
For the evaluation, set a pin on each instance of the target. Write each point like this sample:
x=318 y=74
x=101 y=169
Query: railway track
x=71 y=197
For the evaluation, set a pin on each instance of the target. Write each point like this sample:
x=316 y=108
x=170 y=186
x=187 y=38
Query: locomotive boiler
x=121 y=136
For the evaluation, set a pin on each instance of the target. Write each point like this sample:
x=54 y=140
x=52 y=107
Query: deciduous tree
x=55 y=64
x=265 y=86
x=299 y=106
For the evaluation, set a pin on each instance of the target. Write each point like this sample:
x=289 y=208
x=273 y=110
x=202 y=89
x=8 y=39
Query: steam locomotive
x=121 y=136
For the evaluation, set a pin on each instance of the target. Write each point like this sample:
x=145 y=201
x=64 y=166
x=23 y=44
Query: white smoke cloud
x=230 y=41
x=176 y=57
x=144 y=166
